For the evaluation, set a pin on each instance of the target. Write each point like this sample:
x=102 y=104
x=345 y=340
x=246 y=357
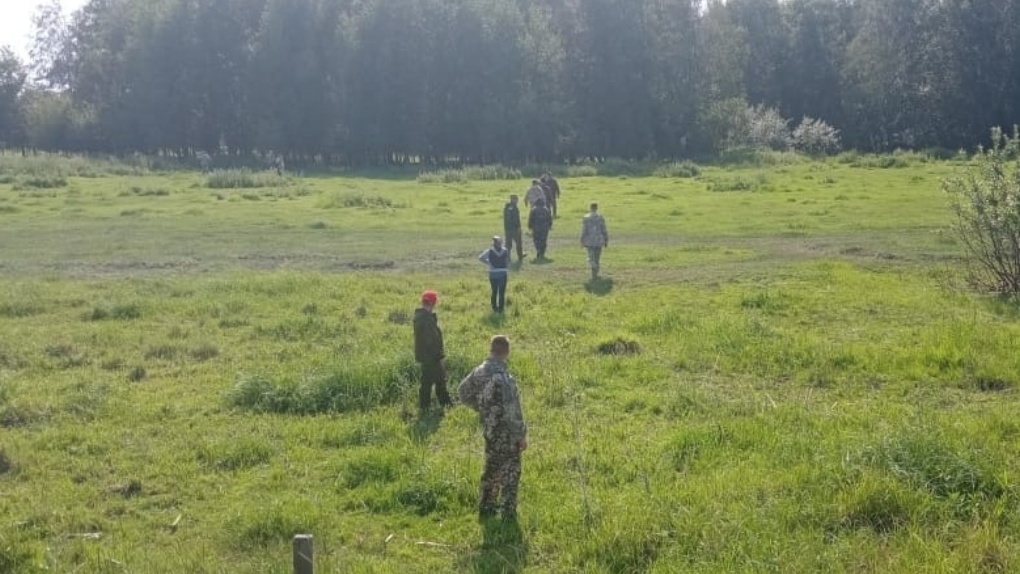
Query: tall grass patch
x=235 y=455
x=352 y=387
x=244 y=178
x=495 y=172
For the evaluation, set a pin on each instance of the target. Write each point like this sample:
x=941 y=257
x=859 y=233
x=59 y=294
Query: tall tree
x=12 y=81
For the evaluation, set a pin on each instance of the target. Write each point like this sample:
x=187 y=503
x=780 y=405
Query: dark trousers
x=541 y=237
x=498 y=284
x=514 y=237
x=433 y=374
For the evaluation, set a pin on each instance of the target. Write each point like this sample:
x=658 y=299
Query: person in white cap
x=497 y=258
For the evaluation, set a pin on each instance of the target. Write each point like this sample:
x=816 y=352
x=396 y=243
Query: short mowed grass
x=779 y=372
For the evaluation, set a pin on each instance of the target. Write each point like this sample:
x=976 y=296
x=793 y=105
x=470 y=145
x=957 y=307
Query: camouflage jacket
x=535 y=193
x=492 y=391
x=593 y=231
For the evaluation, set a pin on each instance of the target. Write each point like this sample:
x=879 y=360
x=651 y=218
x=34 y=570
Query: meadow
x=782 y=371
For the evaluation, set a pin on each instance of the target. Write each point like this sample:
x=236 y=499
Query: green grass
x=783 y=378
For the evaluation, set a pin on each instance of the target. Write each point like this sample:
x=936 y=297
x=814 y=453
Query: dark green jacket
x=428 y=337
x=540 y=219
x=511 y=218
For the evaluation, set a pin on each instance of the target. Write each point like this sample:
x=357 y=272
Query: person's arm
x=484 y=258
x=514 y=415
x=432 y=340
x=605 y=232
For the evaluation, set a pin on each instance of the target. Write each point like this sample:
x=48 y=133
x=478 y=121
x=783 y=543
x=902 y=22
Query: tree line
x=511 y=81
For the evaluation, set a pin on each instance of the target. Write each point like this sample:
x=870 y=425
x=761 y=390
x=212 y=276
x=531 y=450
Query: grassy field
x=780 y=373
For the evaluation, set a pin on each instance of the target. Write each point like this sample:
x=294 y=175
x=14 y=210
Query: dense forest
x=371 y=81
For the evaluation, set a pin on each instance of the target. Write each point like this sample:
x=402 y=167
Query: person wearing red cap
x=429 y=352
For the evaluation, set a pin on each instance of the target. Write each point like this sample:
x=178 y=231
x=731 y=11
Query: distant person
x=594 y=238
x=512 y=230
x=535 y=193
x=498 y=259
x=491 y=390
x=429 y=352
x=540 y=222
x=279 y=164
x=552 y=192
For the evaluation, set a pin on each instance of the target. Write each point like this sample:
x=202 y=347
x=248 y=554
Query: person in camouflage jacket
x=492 y=391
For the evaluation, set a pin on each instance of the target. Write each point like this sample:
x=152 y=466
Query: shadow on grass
x=543 y=261
x=494 y=319
x=426 y=425
x=602 y=286
x=503 y=550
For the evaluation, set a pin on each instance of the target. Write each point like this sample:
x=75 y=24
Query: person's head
x=546 y=177
x=513 y=199
x=499 y=347
x=429 y=299
x=593 y=207
x=497 y=242
x=539 y=202
x=535 y=182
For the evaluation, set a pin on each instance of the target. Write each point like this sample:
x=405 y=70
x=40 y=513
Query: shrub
x=243 y=178
x=583 y=170
x=986 y=202
x=685 y=169
x=47 y=181
x=815 y=137
x=494 y=172
x=767 y=129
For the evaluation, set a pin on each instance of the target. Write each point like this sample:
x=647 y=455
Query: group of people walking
x=490 y=389
x=542 y=199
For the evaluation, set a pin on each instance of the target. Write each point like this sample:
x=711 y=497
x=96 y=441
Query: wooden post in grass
x=304 y=556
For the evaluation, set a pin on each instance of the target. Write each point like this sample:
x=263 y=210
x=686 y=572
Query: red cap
x=429 y=297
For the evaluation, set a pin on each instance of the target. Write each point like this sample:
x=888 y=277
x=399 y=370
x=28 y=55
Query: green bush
x=244 y=178
x=682 y=169
x=583 y=170
x=39 y=182
x=985 y=199
x=493 y=172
